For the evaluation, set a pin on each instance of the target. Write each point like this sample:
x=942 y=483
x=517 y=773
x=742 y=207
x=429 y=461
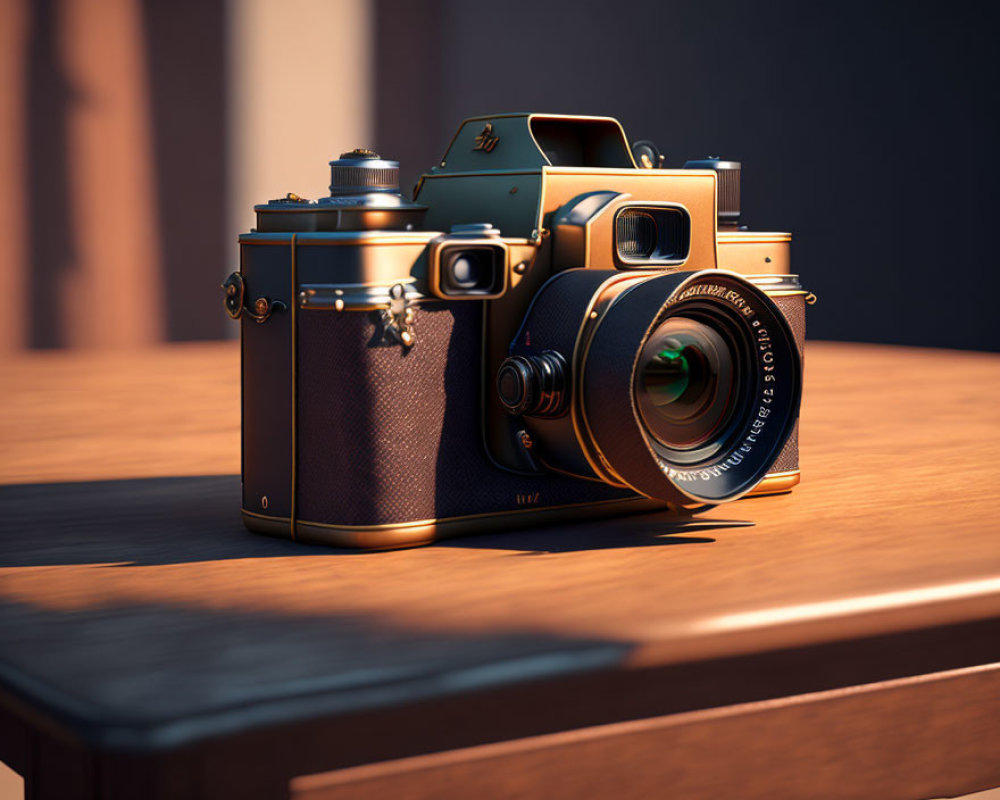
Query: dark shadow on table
x=637 y=530
x=175 y=520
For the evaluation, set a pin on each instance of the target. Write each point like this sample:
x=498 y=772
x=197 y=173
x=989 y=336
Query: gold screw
x=260 y=306
x=521 y=268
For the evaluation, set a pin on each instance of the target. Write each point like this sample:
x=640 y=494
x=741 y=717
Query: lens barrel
x=683 y=386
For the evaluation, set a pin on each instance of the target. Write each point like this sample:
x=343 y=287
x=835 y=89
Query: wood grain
x=931 y=736
x=99 y=414
x=900 y=455
x=136 y=610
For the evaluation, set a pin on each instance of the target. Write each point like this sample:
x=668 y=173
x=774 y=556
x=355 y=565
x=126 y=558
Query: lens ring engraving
x=767 y=412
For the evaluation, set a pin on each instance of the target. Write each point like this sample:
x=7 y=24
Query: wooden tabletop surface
x=138 y=612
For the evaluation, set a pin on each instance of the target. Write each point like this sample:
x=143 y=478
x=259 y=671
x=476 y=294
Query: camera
x=554 y=327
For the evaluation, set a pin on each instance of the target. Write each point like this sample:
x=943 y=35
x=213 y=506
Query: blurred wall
x=137 y=134
x=300 y=94
x=114 y=112
x=13 y=260
x=868 y=129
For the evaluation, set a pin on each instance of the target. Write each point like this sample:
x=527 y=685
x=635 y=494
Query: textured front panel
x=788 y=458
x=794 y=309
x=554 y=319
x=388 y=436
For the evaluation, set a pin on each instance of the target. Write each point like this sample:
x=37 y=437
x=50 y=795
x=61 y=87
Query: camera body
x=547 y=331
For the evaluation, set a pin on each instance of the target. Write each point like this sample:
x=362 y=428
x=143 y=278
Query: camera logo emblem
x=486 y=141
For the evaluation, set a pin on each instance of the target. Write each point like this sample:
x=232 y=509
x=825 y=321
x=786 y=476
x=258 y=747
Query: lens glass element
x=467 y=270
x=652 y=235
x=685 y=384
x=636 y=234
x=471 y=271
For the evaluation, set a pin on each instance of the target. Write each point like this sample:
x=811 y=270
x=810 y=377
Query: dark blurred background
x=866 y=129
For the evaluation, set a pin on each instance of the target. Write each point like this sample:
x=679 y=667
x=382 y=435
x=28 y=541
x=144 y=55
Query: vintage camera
x=546 y=331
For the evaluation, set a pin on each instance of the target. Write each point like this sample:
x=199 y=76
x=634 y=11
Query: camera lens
x=679 y=386
x=685 y=383
x=690 y=386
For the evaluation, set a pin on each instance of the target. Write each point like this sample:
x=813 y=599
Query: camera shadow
x=660 y=529
x=144 y=521
x=177 y=520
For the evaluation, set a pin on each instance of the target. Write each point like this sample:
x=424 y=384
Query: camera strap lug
x=398 y=317
x=235 y=301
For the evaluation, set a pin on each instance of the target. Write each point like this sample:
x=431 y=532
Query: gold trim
x=625 y=172
x=392 y=526
x=357 y=296
x=603 y=469
x=407 y=534
x=295 y=387
x=780 y=285
x=776 y=483
x=751 y=237
x=548 y=169
x=342 y=238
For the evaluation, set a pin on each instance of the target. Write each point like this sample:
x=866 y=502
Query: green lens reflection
x=685 y=383
x=668 y=375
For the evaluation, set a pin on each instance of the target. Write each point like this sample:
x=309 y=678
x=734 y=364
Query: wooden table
x=844 y=644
